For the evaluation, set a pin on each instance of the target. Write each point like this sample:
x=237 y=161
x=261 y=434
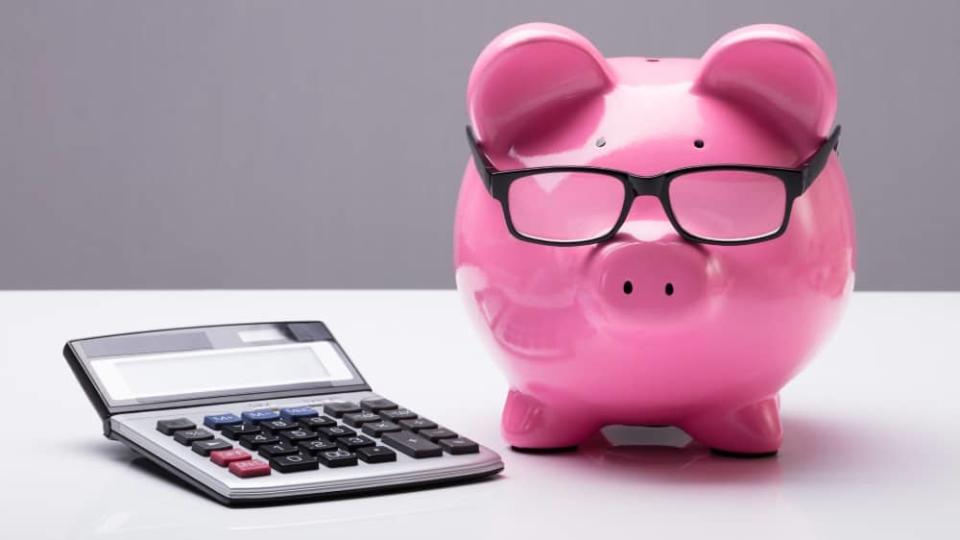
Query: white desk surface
x=872 y=433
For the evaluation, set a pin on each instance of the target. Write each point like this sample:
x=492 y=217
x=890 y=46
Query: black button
x=337 y=458
x=205 y=447
x=186 y=437
x=417 y=424
x=411 y=444
x=294 y=463
x=340 y=408
x=332 y=433
x=377 y=404
x=399 y=414
x=376 y=454
x=435 y=434
x=294 y=436
x=167 y=427
x=379 y=428
x=256 y=440
x=459 y=445
x=277 y=449
x=352 y=443
x=235 y=431
x=315 y=422
x=359 y=418
x=274 y=426
x=315 y=447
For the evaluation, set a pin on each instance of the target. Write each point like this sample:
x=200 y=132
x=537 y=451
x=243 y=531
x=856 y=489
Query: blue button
x=292 y=413
x=260 y=415
x=217 y=421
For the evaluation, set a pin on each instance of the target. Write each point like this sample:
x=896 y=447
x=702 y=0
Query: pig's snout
x=651 y=281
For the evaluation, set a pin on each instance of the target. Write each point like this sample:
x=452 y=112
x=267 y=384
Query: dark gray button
x=205 y=447
x=459 y=445
x=167 y=427
x=411 y=444
x=379 y=428
x=187 y=437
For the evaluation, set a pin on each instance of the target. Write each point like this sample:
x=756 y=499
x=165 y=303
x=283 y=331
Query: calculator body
x=265 y=412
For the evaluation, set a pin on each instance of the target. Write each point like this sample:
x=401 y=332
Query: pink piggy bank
x=652 y=241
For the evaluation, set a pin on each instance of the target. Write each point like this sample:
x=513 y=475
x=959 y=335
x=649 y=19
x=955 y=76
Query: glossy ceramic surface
x=704 y=336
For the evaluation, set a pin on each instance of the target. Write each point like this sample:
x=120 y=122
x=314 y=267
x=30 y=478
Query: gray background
x=319 y=144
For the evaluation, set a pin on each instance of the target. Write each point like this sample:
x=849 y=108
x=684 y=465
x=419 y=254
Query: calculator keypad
x=296 y=439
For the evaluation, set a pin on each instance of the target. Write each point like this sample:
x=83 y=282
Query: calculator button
x=296 y=413
x=249 y=468
x=277 y=449
x=205 y=447
x=235 y=431
x=376 y=454
x=459 y=445
x=226 y=457
x=417 y=424
x=356 y=419
x=411 y=444
x=294 y=436
x=333 y=432
x=260 y=415
x=217 y=421
x=274 y=426
x=256 y=440
x=352 y=443
x=435 y=434
x=340 y=408
x=377 y=404
x=398 y=414
x=379 y=428
x=294 y=463
x=315 y=447
x=337 y=458
x=316 y=422
x=187 y=437
x=167 y=427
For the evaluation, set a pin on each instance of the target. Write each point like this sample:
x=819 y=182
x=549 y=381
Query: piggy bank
x=652 y=241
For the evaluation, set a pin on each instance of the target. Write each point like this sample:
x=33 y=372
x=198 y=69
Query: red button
x=250 y=467
x=226 y=457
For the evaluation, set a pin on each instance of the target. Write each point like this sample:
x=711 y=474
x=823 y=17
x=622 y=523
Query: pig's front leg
x=530 y=424
x=749 y=431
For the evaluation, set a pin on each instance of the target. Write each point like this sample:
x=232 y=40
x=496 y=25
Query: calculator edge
x=285 y=499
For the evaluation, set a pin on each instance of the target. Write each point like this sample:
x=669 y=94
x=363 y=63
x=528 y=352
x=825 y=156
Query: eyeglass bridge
x=647 y=185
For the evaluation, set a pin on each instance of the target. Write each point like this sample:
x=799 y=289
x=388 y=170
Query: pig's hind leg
x=749 y=431
x=528 y=424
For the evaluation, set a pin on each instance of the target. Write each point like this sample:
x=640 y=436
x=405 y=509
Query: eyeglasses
x=708 y=204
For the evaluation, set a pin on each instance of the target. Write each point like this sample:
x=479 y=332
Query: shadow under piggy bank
x=812 y=448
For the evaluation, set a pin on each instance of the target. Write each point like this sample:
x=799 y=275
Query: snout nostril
x=627 y=287
x=668 y=289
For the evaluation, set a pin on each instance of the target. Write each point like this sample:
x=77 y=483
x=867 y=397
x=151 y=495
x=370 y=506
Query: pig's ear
x=777 y=73
x=528 y=75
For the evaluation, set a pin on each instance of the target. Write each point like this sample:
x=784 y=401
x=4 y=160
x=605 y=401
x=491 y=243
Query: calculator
x=265 y=412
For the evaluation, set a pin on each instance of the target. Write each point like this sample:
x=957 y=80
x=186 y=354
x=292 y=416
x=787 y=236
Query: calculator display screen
x=172 y=366
x=160 y=375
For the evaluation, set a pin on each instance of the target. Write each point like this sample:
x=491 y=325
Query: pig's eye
x=627 y=287
x=698 y=143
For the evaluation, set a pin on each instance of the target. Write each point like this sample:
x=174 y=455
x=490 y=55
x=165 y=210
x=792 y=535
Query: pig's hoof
x=557 y=450
x=743 y=455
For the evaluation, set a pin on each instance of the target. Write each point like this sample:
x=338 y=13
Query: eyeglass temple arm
x=818 y=161
x=484 y=167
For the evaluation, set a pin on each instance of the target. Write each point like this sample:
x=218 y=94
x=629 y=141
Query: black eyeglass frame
x=796 y=181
